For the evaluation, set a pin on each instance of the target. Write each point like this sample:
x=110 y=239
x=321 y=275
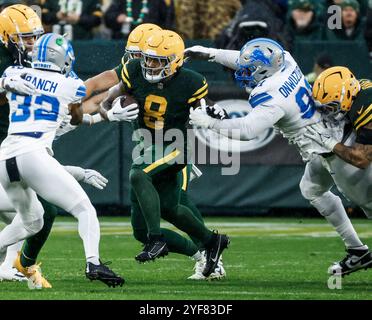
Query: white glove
x=217 y=112
x=65 y=126
x=322 y=136
x=117 y=113
x=95 y=179
x=200 y=118
x=18 y=85
x=201 y=53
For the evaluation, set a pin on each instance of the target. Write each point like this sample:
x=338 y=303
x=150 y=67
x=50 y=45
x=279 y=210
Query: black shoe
x=103 y=273
x=155 y=248
x=355 y=260
x=217 y=244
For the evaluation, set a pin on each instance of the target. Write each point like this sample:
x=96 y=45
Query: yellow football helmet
x=337 y=86
x=17 y=23
x=137 y=38
x=162 y=55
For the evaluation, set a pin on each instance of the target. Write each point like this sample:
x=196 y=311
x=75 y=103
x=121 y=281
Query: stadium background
x=269 y=176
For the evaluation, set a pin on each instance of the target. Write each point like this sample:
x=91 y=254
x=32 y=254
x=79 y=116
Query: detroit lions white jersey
x=284 y=101
x=33 y=120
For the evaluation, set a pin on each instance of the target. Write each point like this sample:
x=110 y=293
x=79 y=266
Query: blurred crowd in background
x=228 y=23
x=223 y=21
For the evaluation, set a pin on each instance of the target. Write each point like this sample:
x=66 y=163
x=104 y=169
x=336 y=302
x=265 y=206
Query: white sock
x=198 y=256
x=331 y=207
x=89 y=230
x=11 y=254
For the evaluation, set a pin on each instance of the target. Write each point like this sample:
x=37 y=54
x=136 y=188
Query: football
x=126 y=100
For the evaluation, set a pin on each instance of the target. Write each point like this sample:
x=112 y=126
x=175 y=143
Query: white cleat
x=218 y=273
x=11 y=274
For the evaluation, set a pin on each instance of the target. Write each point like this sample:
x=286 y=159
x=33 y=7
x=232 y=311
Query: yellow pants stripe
x=184 y=178
x=162 y=161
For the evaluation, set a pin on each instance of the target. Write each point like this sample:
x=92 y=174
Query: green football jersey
x=6 y=60
x=360 y=113
x=164 y=105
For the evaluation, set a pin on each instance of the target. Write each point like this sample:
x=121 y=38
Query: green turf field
x=267 y=259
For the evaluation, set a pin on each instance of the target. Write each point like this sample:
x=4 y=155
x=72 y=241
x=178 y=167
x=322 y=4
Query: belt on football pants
x=12 y=169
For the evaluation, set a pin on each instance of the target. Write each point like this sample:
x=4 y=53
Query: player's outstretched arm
x=101 y=82
x=359 y=155
x=227 y=58
x=245 y=128
x=88 y=176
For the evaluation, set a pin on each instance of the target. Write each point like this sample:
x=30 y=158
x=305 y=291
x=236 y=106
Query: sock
x=11 y=254
x=179 y=244
x=331 y=207
x=185 y=201
x=148 y=199
x=33 y=245
x=93 y=260
x=184 y=220
x=198 y=256
x=88 y=227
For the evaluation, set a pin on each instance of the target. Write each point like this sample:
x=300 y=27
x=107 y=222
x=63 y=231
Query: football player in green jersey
x=165 y=91
x=342 y=95
x=175 y=242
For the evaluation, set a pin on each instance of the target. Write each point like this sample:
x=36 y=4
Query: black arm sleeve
x=364 y=136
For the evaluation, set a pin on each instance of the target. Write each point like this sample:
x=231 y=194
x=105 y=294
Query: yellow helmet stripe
x=161 y=161
x=363 y=115
x=203 y=94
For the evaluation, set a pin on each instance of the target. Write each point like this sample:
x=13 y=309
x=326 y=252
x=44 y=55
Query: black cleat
x=355 y=260
x=103 y=273
x=155 y=248
x=218 y=243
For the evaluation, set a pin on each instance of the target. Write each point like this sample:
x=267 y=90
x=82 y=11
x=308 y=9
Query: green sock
x=185 y=201
x=148 y=199
x=179 y=244
x=184 y=220
x=33 y=245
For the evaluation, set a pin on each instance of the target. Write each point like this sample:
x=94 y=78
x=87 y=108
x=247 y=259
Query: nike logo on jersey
x=360 y=111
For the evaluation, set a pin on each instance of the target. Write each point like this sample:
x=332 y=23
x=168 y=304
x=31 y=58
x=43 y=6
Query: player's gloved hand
x=200 y=53
x=18 y=85
x=200 y=118
x=217 y=112
x=65 y=126
x=118 y=113
x=95 y=179
x=322 y=136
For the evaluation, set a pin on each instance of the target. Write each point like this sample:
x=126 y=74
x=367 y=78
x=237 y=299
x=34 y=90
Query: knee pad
x=327 y=203
x=33 y=226
x=140 y=235
x=310 y=191
x=83 y=206
x=136 y=176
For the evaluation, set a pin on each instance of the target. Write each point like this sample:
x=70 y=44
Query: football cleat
x=11 y=274
x=355 y=260
x=35 y=279
x=103 y=273
x=218 y=273
x=214 y=249
x=155 y=248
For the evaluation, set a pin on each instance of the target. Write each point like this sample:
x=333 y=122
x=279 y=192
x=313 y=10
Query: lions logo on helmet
x=259 y=59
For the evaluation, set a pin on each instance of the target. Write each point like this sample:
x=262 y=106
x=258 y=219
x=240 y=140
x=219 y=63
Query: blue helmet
x=53 y=52
x=259 y=59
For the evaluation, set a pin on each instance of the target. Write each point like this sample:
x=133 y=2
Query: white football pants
x=43 y=175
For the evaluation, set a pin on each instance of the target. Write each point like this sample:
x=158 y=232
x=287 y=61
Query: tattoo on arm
x=358 y=155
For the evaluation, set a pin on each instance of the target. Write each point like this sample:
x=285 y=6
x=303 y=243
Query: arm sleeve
x=250 y=126
x=77 y=172
x=227 y=58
